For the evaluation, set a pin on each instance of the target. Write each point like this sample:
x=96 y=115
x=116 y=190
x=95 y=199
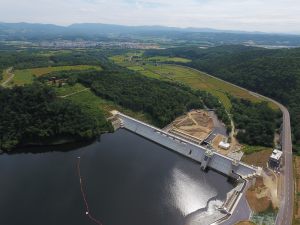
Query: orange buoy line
x=87 y=212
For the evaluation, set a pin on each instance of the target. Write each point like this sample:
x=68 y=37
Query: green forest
x=274 y=73
x=163 y=101
x=37 y=58
x=34 y=115
x=256 y=122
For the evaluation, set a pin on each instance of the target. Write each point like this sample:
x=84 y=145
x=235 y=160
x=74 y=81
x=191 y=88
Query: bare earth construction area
x=195 y=126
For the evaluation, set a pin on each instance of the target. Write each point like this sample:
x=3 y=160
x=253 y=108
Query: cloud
x=252 y=15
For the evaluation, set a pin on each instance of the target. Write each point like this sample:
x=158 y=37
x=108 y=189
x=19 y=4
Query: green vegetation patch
x=274 y=73
x=197 y=80
x=32 y=114
x=256 y=122
x=96 y=104
x=27 y=76
x=186 y=75
x=66 y=90
x=168 y=59
x=247 y=149
x=162 y=101
x=5 y=75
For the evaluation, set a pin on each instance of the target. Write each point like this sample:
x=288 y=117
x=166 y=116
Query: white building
x=275 y=158
x=224 y=145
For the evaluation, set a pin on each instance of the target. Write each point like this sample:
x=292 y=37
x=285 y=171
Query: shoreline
x=61 y=144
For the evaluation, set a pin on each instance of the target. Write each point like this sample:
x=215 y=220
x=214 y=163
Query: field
x=188 y=76
x=68 y=90
x=257 y=156
x=5 y=75
x=27 y=76
x=168 y=59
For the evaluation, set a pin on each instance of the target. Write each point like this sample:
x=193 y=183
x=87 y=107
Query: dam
x=127 y=180
x=244 y=174
x=206 y=157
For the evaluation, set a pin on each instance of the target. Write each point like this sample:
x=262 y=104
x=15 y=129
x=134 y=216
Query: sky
x=281 y=16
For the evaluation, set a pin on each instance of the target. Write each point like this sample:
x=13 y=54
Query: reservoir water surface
x=126 y=180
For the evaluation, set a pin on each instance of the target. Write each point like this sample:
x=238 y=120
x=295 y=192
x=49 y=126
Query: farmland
x=26 y=76
x=168 y=59
x=188 y=76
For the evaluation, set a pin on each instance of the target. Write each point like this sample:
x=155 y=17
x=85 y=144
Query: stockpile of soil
x=258 y=198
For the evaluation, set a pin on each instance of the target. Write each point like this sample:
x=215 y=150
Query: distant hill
x=98 y=31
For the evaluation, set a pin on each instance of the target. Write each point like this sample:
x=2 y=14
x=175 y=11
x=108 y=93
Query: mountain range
x=98 y=31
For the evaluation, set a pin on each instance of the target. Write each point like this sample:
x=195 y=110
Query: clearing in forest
x=27 y=76
x=195 y=126
x=95 y=104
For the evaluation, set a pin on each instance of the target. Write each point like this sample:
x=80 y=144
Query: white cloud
x=260 y=15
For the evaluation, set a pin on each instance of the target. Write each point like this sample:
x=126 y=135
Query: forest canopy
x=274 y=73
x=34 y=115
x=256 y=122
x=163 y=101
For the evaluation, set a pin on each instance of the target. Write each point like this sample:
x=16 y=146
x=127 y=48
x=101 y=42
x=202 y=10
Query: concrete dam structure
x=206 y=157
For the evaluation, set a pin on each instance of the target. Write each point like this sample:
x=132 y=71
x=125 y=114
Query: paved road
x=285 y=213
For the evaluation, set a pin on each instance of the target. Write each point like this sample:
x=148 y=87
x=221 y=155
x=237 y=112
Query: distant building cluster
x=65 y=44
x=68 y=44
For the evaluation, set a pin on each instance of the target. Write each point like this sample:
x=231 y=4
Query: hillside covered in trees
x=163 y=101
x=30 y=58
x=256 y=122
x=34 y=115
x=274 y=73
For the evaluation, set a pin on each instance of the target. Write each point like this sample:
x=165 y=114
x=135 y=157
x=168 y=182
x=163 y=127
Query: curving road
x=285 y=213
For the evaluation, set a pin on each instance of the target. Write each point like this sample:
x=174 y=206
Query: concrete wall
x=218 y=162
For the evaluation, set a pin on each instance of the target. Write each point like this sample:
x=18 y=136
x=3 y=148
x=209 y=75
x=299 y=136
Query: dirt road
x=74 y=93
x=10 y=77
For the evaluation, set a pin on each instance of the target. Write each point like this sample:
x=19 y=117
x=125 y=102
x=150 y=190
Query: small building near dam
x=275 y=158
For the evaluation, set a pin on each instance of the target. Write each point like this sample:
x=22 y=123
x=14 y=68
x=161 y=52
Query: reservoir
x=125 y=180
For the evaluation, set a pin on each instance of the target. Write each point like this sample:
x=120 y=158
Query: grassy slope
x=296 y=218
x=5 y=76
x=190 y=77
x=256 y=155
x=26 y=76
x=94 y=103
x=87 y=98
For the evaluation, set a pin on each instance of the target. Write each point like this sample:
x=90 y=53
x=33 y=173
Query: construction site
x=195 y=126
x=203 y=127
